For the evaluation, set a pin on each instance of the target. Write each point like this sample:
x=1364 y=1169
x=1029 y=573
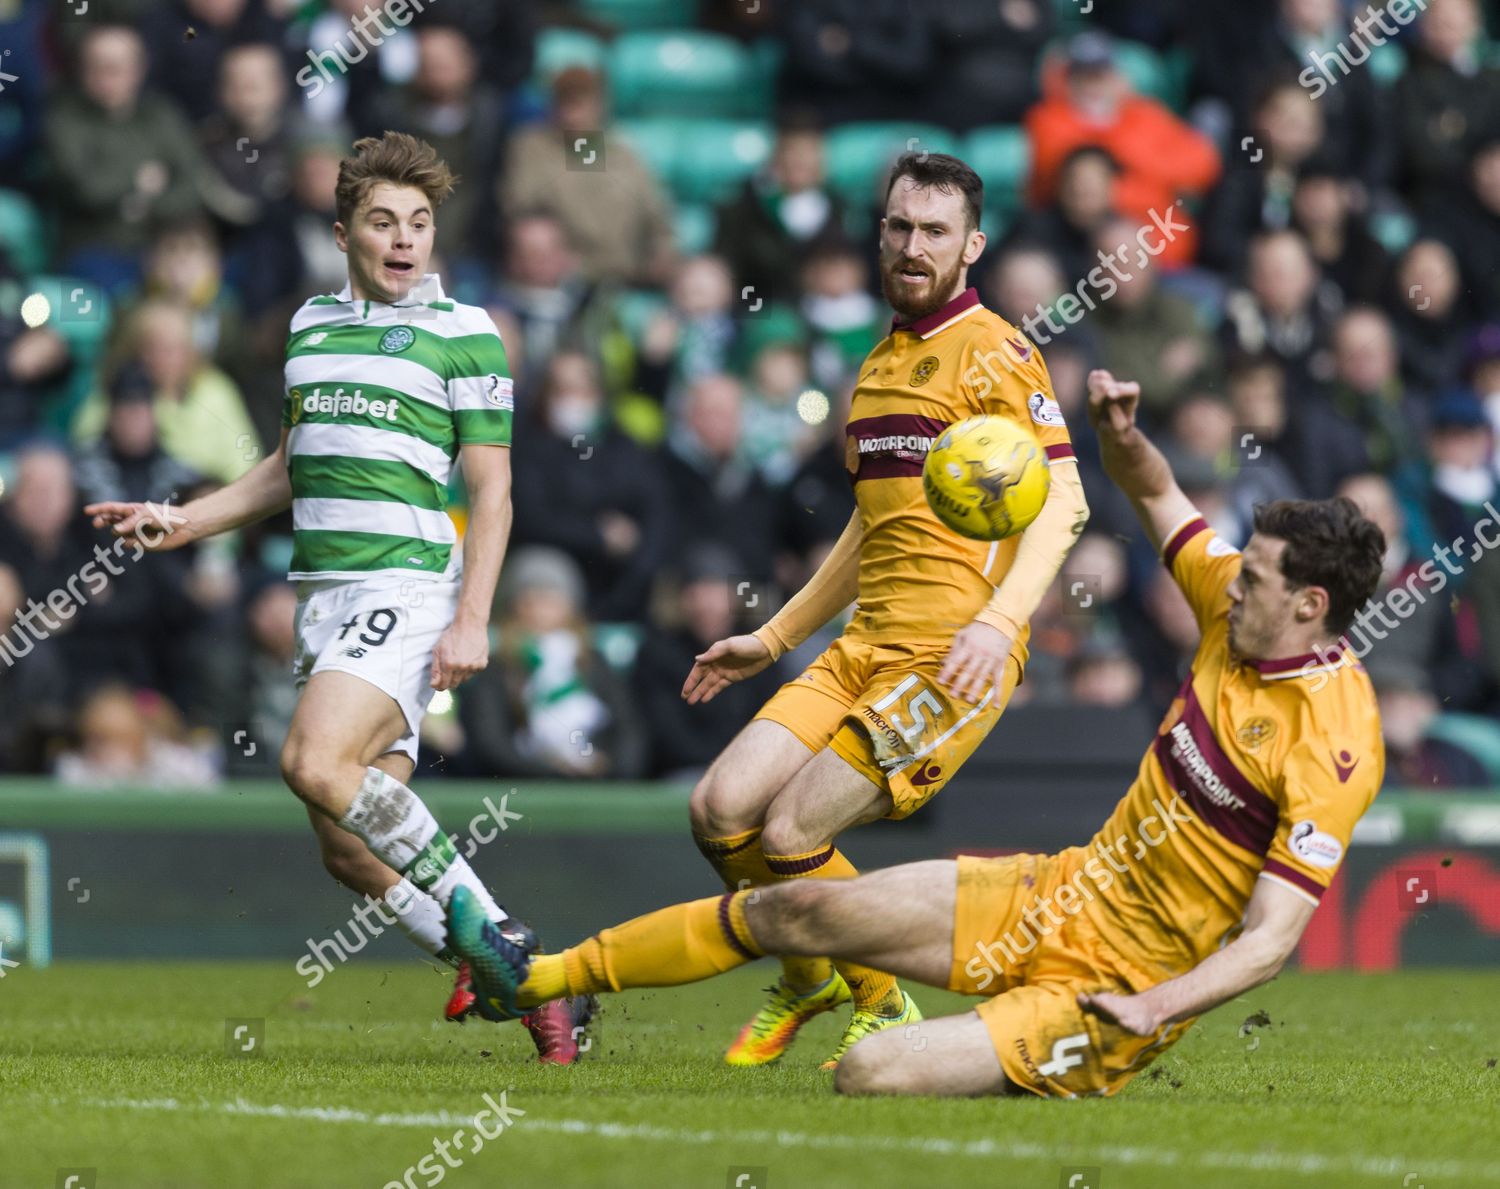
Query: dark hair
x=1329 y=543
x=945 y=172
x=1086 y=153
x=394 y=157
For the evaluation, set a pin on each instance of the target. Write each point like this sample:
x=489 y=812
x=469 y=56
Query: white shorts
x=384 y=630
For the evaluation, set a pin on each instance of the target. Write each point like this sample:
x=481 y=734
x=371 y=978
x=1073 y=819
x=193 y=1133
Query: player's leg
x=326 y=760
x=952 y=1055
x=351 y=863
x=900 y=918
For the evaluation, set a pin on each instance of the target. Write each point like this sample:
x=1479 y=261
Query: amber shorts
x=1035 y=963
x=879 y=706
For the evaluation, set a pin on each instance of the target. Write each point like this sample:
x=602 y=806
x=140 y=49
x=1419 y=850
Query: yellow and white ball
x=986 y=478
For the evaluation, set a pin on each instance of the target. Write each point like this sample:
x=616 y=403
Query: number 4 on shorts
x=1063 y=1056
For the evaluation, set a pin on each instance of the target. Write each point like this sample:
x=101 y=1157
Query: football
x=986 y=478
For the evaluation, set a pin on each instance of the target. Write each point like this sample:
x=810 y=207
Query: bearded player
x=1196 y=889
x=882 y=720
x=387 y=385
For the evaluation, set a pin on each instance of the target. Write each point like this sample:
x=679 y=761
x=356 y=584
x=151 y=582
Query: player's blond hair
x=397 y=158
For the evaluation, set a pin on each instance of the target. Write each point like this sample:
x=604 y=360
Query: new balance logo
x=355 y=651
x=1063 y=1056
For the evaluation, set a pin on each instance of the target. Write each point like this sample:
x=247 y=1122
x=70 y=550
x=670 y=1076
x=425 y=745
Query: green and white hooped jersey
x=378 y=400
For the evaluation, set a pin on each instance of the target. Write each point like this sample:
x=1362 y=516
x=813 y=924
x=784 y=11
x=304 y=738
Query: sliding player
x=387 y=384
x=1196 y=889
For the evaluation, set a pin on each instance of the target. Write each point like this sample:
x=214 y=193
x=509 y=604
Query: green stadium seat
x=618 y=643
x=1394 y=229
x=688 y=73
x=714 y=157
x=558 y=49
x=860 y=154
x=642 y=14
x=80 y=313
x=695 y=223
x=1387 y=63
x=1475 y=734
x=1001 y=156
x=1149 y=73
x=655 y=141
x=21 y=233
x=1070 y=16
x=634 y=309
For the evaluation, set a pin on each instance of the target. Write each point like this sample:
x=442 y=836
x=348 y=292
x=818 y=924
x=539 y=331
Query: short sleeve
x=1010 y=379
x=1203 y=564
x=479 y=387
x=1328 y=783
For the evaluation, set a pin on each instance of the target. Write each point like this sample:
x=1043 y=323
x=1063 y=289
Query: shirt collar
x=1299 y=666
x=960 y=307
x=428 y=289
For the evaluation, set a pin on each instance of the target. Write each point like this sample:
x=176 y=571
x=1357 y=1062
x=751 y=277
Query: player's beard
x=932 y=297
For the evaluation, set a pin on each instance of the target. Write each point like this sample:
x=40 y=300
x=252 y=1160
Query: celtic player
x=387 y=385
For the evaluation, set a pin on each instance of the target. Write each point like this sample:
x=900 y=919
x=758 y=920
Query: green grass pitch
x=1387 y=1081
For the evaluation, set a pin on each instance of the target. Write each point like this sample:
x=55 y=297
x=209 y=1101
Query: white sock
x=402 y=833
x=420 y=917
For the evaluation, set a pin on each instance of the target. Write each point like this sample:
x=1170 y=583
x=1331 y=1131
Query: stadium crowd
x=670 y=210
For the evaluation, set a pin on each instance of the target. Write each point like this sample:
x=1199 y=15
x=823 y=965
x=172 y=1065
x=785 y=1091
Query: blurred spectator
x=685 y=739
x=24 y=32
x=988 y=53
x=617 y=216
x=857 y=59
x=128 y=462
x=184 y=266
x=1088 y=101
x=199 y=415
x=1023 y=283
x=548 y=704
x=186 y=65
x=782 y=214
x=1104 y=675
x=133 y=739
x=584 y=487
x=32 y=361
x=695 y=336
x=1447 y=102
x=451 y=106
x=1203 y=427
x=1467 y=219
x=1316 y=446
x=543 y=288
x=845 y=321
x=1429 y=316
x=778 y=435
x=1147 y=333
x=1283 y=311
x=1286 y=129
x=124 y=162
x=34 y=702
x=1350 y=102
x=718 y=495
x=1338 y=236
x=343 y=70
x=1367 y=391
x=249 y=138
x=1166 y=640
x=268 y=695
x=1070 y=227
x=316 y=265
x=1424 y=633
x=1460 y=450
x=1413 y=756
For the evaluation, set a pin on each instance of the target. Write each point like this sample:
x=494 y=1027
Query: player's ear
x=1312 y=606
x=975 y=247
x=341 y=236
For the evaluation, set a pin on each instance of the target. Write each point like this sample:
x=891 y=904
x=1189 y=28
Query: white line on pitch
x=1300 y=1163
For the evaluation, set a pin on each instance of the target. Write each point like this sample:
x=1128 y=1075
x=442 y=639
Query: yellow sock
x=680 y=944
x=873 y=990
x=741 y=862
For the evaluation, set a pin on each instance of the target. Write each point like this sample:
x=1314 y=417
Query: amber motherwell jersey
x=918 y=580
x=1259 y=771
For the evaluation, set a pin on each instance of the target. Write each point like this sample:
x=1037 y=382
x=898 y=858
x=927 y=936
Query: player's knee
x=711 y=810
x=786 y=835
x=305 y=771
x=867 y=1068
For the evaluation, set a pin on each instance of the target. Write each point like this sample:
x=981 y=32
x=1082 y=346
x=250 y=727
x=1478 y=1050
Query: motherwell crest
x=926 y=368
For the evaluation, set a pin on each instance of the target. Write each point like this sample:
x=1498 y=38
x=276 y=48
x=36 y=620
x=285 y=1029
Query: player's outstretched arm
x=1135 y=465
x=464 y=648
x=832 y=588
x=1274 y=922
x=262 y=491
